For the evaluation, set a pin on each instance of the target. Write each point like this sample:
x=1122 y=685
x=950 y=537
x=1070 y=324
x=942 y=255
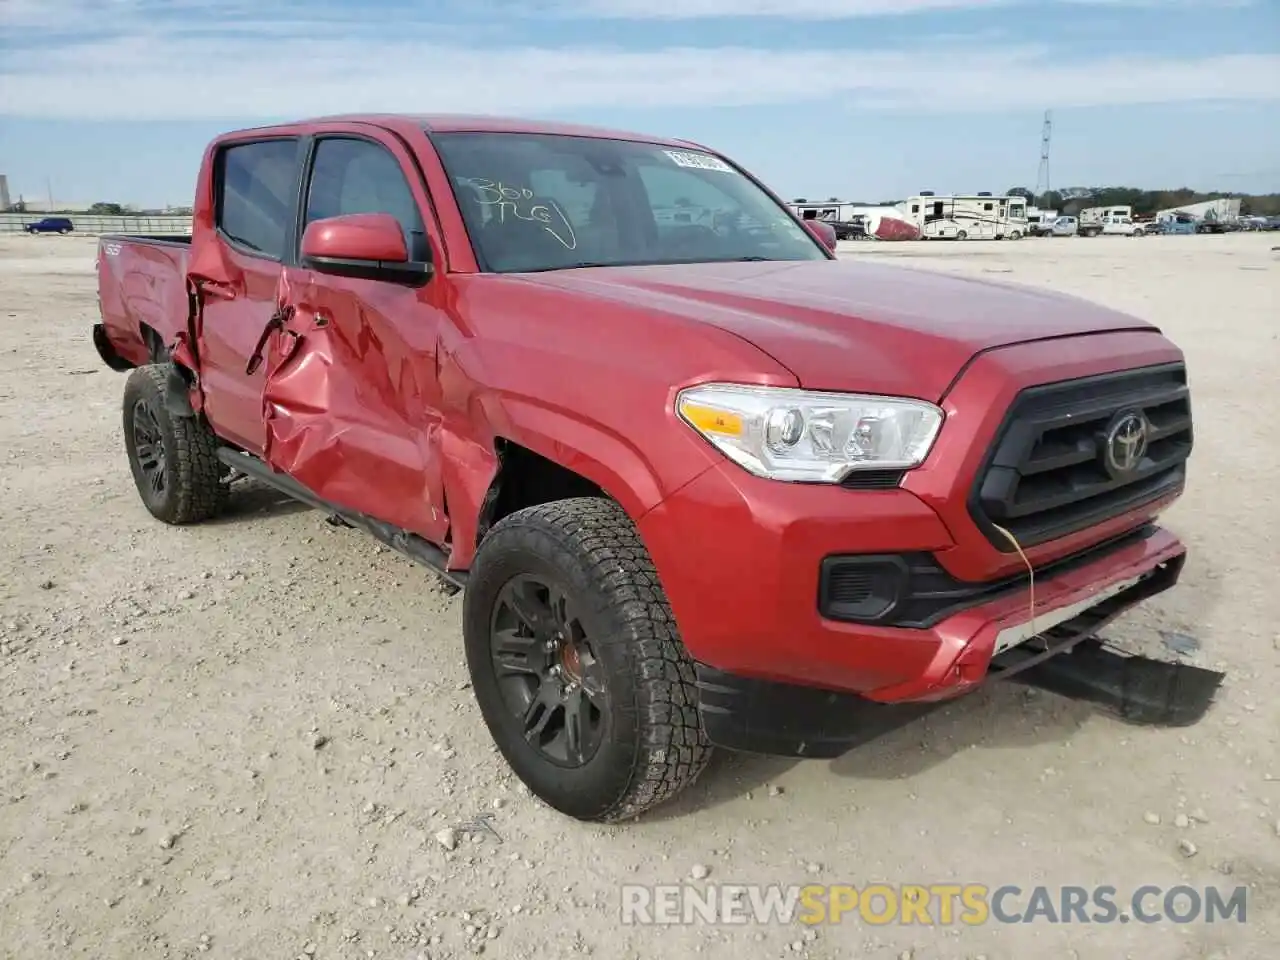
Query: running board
x=402 y=541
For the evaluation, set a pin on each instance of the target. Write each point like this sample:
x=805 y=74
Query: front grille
x=1048 y=473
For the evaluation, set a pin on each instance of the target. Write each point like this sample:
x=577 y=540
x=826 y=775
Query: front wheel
x=576 y=662
x=174 y=459
x=1016 y=235
x=962 y=235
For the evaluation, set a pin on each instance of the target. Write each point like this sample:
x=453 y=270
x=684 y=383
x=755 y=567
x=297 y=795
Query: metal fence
x=92 y=223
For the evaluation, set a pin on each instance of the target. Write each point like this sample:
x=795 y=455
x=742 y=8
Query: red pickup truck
x=703 y=482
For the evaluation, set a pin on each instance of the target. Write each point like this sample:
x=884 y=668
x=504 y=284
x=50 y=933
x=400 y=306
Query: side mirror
x=825 y=233
x=367 y=246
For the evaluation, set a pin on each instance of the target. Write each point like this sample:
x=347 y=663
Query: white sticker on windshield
x=698 y=161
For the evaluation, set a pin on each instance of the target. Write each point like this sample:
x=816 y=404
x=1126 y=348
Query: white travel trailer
x=853 y=221
x=980 y=216
x=1040 y=222
x=1093 y=219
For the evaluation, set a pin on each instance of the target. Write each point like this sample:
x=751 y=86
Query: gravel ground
x=249 y=739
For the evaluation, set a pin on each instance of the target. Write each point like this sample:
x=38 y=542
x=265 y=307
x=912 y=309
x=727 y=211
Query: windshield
x=549 y=202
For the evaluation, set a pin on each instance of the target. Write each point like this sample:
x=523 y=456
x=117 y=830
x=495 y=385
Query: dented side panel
x=351 y=399
x=141 y=284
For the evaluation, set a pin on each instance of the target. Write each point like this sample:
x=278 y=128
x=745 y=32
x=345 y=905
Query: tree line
x=1146 y=202
x=102 y=208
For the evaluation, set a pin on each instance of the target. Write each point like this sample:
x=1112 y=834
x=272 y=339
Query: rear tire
x=174 y=459
x=962 y=235
x=593 y=649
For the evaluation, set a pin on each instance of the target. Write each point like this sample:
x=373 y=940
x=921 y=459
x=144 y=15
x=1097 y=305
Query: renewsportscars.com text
x=938 y=904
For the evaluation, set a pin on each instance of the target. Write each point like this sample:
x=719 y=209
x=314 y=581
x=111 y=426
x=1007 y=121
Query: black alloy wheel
x=548 y=672
x=148 y=447
x=173 y=457
x=577 y=664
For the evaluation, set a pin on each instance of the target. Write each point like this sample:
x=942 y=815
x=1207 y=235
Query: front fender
x=591 y=449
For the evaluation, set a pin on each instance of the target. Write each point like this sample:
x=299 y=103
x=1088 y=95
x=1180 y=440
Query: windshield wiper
x=586 y=264
x=581 y=265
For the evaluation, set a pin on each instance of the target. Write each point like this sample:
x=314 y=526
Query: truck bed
x=142 y=292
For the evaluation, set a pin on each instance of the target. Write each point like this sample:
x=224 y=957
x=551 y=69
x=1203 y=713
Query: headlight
x=800 y=435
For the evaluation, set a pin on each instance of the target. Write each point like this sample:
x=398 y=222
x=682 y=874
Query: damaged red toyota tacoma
x=702 y=482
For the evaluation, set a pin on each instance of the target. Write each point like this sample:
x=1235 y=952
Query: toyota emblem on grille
x=1125 y=444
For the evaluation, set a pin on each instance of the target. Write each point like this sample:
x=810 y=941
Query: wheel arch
x=537 y=456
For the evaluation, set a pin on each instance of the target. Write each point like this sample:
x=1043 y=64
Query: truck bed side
x=142 y=293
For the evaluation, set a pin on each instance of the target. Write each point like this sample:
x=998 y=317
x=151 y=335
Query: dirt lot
x=240 y=740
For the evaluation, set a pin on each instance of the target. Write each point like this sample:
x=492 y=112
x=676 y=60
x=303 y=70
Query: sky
x=114 y=100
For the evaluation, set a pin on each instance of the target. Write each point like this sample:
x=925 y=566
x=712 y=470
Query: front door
x=351 y=398
x=237 y=271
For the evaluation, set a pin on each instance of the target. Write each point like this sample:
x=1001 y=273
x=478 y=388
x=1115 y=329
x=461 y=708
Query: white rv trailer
x=980 y=216
x=842 y=216
x=1092 y=219
x=1040 y=222
x=855 y=221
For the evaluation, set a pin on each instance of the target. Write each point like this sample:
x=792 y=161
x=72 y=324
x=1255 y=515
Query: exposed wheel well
x=526 y=479
x=155 y=343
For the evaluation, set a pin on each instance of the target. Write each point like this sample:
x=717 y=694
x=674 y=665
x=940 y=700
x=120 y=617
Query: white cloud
x=127 y=62
x=828 y=9
x=787 y=9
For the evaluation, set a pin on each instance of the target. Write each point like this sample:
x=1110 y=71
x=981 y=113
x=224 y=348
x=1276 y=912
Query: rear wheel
x=962 y=235
x=174 y=459
x=576 y=662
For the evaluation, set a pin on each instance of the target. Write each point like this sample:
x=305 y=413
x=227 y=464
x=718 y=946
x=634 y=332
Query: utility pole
x=1042 y=177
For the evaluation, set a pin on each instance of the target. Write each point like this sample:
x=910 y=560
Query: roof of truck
x=483 y=123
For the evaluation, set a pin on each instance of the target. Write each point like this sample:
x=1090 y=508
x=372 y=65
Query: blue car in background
x=50 y=225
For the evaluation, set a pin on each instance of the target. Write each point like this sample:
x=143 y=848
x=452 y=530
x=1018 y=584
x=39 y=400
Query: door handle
x=220 y=291
x=278 y=320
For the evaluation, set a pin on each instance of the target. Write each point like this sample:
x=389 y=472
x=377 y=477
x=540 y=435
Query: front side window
x=255 y=194
x=546 y=202
x=359 y=176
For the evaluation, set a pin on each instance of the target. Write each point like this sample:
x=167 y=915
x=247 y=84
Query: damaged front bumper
x=785 y=719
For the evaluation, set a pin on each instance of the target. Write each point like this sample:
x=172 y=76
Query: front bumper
x=740 y=559
x=783 y=719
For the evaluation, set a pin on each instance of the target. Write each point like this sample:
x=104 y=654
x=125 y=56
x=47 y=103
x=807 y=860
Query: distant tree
x=1021 y=192
x=1050 y=200
x=107 y=209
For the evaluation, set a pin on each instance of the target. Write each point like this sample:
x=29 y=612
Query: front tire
x=174 y=459
x=577 y=664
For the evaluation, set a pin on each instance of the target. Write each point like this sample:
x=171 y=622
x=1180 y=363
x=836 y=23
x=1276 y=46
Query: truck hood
x=849 y=325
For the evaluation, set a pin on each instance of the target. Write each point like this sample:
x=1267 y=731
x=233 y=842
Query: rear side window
x=255 y=195
x=358 y=176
